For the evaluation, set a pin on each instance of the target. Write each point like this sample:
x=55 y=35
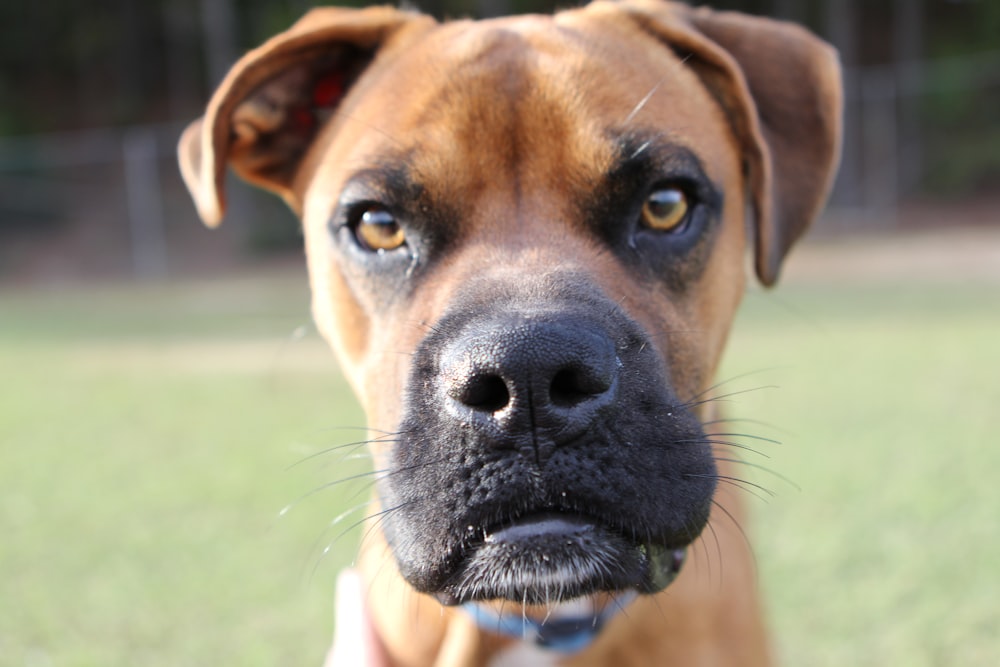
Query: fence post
x=145 y=203
x=908 y=47
x=841 y=19
x=218 y=26
x=880 y=143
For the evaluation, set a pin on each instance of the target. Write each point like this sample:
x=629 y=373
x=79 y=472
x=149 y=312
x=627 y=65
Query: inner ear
x=266 y=113
x=271 y=129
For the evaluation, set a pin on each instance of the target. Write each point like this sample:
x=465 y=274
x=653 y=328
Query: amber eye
x=378 y=230
x=665 y=209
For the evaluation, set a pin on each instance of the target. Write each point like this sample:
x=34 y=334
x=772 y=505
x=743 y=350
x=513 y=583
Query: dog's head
x=526 y=242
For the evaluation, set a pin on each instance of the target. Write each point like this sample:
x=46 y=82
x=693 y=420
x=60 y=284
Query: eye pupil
x=377 y=216
x=665 y=209
x=663 y=202
x=378 y=230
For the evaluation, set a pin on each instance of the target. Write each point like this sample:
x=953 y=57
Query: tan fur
x=756 y=100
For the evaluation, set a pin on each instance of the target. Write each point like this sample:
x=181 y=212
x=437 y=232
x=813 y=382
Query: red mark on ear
x=302 y=119
x=328 y=90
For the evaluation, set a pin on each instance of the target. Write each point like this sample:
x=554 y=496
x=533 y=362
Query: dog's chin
x=549 y=558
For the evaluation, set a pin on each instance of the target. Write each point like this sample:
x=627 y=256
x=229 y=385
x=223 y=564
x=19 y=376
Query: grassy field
x=150 y=437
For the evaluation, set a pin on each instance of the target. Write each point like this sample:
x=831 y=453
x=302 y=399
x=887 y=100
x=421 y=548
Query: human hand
x=355 y=643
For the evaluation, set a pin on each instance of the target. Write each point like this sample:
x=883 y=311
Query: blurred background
x=165 y=398
x=95 y=92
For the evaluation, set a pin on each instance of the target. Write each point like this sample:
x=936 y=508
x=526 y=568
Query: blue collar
x=565 y=634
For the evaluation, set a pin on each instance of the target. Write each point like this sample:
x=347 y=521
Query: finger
x=355 y=643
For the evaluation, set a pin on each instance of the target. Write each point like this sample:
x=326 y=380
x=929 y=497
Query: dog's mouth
x=548 y=557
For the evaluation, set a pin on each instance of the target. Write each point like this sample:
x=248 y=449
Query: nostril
x=570 y=387
x=487 y=393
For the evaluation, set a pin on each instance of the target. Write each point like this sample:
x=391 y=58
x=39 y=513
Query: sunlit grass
x=143 y=472
x=147 y=434
x=886 y=404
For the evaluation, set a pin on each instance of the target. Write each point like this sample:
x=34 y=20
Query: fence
x=123 y=183
x=110 y=201
x=892 y=135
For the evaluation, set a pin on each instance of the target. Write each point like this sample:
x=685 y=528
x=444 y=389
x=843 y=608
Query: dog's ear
x=781 y=89
x=267 y=110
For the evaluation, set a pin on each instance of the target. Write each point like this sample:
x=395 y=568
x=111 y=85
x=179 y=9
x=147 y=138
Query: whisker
x=378 y=516
x=327 y=429
x=739 y=420
x=343 y=515
x=718 y=552
x=721 y=443
x=723 y=397
x=736 y=524
x=738 y=483
x=357 y=444
x=747 y=487
x=747 y=435
x=357 y=456
x=764 y=469
x=677 y=332
x=734 y=378
x=325 y=486
x=642 y=103
x=396 y=471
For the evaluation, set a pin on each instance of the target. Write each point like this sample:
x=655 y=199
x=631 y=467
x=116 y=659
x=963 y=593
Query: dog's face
x=526 y=242
x=527 y=245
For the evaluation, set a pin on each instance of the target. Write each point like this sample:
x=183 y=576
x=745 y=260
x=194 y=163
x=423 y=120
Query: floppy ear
x=781 y=89
x=267 y=111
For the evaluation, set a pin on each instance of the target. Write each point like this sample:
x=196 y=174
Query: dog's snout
x=532 y=373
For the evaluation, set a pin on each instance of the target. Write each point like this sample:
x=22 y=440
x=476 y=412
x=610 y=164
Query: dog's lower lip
x=543 y=525
x=550 y=556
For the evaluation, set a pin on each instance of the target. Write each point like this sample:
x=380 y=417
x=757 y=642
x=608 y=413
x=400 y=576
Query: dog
x=526 y=240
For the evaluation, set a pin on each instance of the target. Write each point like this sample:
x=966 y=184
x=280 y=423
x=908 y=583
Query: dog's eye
x=665 y=209
x=377 y=230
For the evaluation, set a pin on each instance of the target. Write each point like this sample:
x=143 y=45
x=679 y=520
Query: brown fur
x=510 y=149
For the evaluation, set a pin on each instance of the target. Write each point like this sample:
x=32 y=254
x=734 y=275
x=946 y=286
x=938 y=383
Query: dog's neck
x=565 y=628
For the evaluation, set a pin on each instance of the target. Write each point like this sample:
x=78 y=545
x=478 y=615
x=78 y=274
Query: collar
x=567 y=630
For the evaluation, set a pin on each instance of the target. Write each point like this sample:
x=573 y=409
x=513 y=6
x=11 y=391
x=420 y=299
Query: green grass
x=146 y=435
x=887 y=400
x=142 y=472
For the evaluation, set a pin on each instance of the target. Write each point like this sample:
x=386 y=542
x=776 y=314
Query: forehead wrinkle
x=506 y=121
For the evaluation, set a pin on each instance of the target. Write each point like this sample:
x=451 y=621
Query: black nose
x=548 y=374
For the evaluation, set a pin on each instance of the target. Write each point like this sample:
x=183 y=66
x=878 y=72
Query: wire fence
x=109 y=177
x=116 y=195
x=901 y=141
